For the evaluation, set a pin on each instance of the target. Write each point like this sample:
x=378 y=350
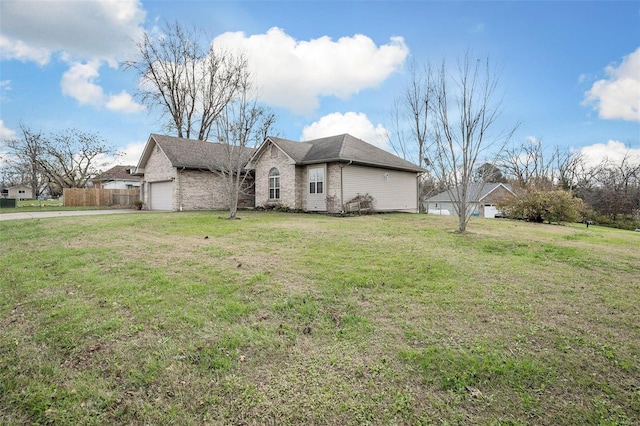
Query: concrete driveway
x=67 y=213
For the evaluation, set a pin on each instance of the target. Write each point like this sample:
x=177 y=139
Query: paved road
x=38 y=215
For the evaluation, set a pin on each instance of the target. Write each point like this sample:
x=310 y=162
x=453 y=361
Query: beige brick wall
x=205 y=190
x=200 y=190
x=192 y=189
x=288 y=178
x=334 y=191
x=498 y=196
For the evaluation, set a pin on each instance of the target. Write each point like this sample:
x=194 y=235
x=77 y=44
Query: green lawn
x=189 y=318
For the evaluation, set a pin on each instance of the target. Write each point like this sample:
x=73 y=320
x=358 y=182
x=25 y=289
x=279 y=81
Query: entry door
x=317 y=198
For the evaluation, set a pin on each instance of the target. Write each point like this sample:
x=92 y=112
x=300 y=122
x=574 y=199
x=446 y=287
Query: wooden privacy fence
x=91 y=197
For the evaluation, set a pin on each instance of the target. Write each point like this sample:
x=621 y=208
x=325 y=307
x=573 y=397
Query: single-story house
x=178 y=174
x=20 y=192
x=325 y=174
x=117 y=177
x=483 y=197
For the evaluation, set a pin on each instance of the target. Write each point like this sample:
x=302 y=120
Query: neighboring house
x=20 y=192
x=325 y=174
x=177 y=175
x=4 y=192
x=484 y=199
x=117 y=177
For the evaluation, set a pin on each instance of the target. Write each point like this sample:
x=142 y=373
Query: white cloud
x=85 y=34
x=16 y=49
x=293 y=74
x=6 y=133
x=618 y=96
x=613 y=151
x=127 y=156
x=104 y=29
x=79 y=83
x=130 y=154
x=123 y=102
x=356 y=124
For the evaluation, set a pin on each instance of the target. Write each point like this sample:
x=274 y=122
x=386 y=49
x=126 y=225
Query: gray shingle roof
x=195 y=154
x=116 y=173
x=343 y=148
x=476 y=192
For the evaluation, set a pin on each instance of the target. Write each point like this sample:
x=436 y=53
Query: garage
x=490 y=211
x=161 y=195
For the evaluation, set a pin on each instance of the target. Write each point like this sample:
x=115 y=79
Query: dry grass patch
x=295 y=318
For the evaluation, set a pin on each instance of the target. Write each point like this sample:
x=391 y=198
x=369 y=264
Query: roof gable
x=342 y=148
x=278 y=143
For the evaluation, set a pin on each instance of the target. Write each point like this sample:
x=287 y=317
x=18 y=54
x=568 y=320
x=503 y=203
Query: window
x=274 y=184
x=316 y=181
x=21 y=191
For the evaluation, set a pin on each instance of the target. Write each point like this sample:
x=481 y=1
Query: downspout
x=418 y=192
x=342 y=185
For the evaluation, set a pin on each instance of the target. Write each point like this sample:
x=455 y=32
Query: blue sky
x=569 y=71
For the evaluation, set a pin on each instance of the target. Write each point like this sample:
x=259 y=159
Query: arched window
x=274 y=184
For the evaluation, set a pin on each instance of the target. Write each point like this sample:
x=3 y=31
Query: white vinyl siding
x=161 y=195
x=391 y=190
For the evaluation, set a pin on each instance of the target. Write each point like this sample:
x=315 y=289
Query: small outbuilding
x=20 y=192
x=483 y=197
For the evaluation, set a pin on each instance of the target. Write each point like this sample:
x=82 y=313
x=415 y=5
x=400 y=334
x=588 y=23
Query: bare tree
x=72 y=157
x=66 y=159
x=529 y=166
x=616 y=190
x=22 y=165
x=488 y=172
x=242 y=125
x=463 y=139
x=410 y=123
x=190 y=84
x=410 y=116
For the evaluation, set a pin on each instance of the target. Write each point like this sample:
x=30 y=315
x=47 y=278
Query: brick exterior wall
x=498 y=196
x=192 y=189
x=205 y=190
x=334 y=188
x=289 y=181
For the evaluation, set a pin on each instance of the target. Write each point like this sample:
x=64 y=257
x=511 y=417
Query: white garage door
x=161 y=195
x=490 y=211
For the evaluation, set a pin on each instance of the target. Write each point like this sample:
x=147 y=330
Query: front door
x=316 y=198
